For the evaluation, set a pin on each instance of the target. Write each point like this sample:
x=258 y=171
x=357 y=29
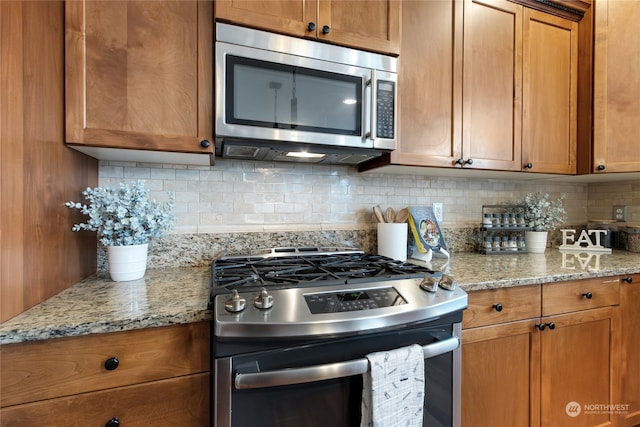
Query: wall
x=602 y=198
x=240 y=196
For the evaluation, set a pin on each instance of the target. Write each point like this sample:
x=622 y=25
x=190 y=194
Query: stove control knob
x=429 y=284
x=447 y=282
x=235 y=303
x=263 y=300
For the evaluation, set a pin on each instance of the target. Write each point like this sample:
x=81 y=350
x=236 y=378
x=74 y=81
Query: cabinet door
x=430 y=93
x=550 y=100
x=139 y=75
x=630 y=356
x=281 y=16
x=492 y=84
x=616 y=102
x=182 y=401
x=579 y=368
x=372 y=24
x=501 y=375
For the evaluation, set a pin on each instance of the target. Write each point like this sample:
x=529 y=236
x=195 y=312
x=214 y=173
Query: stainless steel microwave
x=285 y=98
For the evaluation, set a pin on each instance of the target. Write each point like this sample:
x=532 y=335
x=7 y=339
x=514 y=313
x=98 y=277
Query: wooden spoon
x=402 y=215
x=390 y=215
x=377 y=213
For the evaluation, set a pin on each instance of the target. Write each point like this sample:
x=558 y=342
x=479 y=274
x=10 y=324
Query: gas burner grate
x=295 y=268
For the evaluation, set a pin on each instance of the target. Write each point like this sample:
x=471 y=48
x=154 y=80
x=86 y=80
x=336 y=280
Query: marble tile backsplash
x=244 y=196
x=238 y=206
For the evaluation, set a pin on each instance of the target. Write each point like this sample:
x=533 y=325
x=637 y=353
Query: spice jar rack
x=503 y=228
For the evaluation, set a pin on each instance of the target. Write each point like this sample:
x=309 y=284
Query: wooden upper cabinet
x=492 y=85
x=616 y=101
x=372 y=25
x=486 y=84
x=139 y=75
x=430 y=91
x=550 y=97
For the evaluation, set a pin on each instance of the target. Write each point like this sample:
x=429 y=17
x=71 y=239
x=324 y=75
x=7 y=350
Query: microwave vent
x=241 y=151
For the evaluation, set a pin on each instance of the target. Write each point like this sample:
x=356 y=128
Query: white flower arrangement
x=124 y=216
x=541 y=214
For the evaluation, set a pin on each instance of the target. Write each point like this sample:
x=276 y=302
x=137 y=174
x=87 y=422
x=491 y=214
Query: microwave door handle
x=328 y=371
x=366 y=108
x=373 y=106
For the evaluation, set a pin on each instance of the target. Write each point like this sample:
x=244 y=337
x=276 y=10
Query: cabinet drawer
x=575 y=295
x=182 y=401
x=493 y=306
x=62 y=367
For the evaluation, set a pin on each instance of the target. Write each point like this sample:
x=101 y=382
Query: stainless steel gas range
x=292 y=328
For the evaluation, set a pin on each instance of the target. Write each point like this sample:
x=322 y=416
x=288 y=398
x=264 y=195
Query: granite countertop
x=169 y=296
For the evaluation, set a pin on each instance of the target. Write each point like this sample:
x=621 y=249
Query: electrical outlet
x=620 y=213
x=438 y=212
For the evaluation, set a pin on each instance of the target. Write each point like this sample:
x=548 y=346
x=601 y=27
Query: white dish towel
x=393 y=388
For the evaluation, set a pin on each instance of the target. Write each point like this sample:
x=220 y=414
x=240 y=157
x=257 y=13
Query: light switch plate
x=620 y=213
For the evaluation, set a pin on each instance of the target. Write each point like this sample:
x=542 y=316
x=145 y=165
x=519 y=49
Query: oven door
x=320 y=383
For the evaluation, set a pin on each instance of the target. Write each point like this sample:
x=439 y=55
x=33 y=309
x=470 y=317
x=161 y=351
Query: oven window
x=335 y=402
x=267 y=94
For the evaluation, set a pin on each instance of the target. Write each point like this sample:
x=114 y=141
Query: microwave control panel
x=385 y=109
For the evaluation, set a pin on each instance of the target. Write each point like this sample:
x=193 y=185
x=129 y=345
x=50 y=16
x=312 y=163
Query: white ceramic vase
x=127 y=262
x=536 y=241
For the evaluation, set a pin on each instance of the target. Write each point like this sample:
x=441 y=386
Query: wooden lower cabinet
x=182 y=401
x=146 y=377
x=630 y=354
x=554 y=370
x=500 y=374
x=578 y=362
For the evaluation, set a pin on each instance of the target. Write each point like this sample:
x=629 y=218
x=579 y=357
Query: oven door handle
x=328 y=371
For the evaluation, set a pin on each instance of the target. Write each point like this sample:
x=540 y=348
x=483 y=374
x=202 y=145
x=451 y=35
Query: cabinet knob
x=205 y=143
x=587 y=295
x=601 y=167
x=540 y=326
x=628 y=279
x=551 y=325
x=497 y=307
x=468 y=162
x=111 y=363
x=528 y=165
x=113 y=422
x=326 y=29
x=311 y=26
x=459 y=162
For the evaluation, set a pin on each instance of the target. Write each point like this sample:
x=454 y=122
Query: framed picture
x=425 y=230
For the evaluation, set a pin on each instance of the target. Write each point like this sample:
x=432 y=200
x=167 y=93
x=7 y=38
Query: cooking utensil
x=377 y=213
x=390 y=215
x=402 y=215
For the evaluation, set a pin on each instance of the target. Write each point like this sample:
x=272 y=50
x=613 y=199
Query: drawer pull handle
x=628 y=279
x=497 y=307
x=113 y=422
x=540 y=326
x=111 y=363
x=587 y=295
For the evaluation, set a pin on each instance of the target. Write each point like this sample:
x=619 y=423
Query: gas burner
x=283 y=268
